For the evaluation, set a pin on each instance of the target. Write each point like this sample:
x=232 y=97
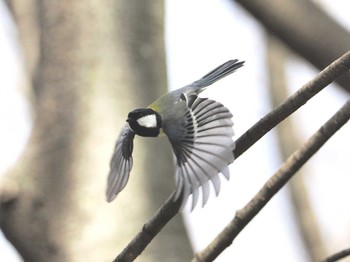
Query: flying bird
x=199 y=130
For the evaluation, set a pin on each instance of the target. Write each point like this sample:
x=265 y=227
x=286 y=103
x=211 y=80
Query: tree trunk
x=97 y=61
x=288 y=141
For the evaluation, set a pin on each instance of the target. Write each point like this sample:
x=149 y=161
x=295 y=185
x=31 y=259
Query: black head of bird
x=145 y=122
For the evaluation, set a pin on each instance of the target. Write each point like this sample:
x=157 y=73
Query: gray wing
x=121 y=163
x=203 y=149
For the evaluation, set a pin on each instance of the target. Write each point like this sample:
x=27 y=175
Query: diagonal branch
x=150 y=230
x=274 y=184
x=339 y=255
x=170 y=208
x=281 y=112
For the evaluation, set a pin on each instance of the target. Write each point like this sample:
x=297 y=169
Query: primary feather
x=204 y=149
x=121 y=163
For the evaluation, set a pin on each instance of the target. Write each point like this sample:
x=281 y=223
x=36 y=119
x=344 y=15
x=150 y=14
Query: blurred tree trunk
x=289 y=140
x=304 y=27
x=96 y=61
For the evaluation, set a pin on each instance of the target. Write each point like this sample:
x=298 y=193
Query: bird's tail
x=218 y=73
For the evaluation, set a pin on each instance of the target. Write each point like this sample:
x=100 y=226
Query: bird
x=199 y=130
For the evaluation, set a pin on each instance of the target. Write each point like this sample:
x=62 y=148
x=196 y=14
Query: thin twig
x=170 y=209
x=274 y=184
x=339 y=255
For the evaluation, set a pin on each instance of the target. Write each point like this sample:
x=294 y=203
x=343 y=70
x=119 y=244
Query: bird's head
x=145 y=122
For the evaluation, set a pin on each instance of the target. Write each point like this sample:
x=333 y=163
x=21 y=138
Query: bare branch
x=274 y=184
x=170 y=209
x=150 y=230
x=324 y=78
x=339 y=255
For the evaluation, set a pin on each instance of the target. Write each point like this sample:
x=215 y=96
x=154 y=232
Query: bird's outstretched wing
x=203 y=149
x=121 y=163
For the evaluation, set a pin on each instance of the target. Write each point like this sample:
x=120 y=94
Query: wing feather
x=203 y=150
x=121 y=163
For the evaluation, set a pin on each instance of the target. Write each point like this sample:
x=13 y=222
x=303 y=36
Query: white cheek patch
x=149 y=121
